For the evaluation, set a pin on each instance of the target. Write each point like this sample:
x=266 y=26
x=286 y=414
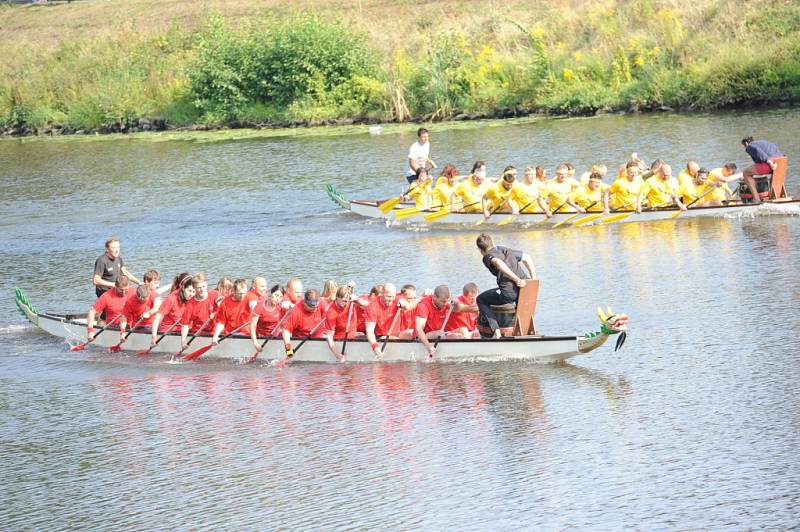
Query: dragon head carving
x=613 y=323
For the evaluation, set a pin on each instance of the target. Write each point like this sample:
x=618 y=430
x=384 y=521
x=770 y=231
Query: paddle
x=502 y=204
x=292 y=352
x=275 y=331
x=389 y=332
x=565 y=220
x=444 y=324
x=706 y=193
x=198 y=352
x=189 y=342
x=347 y=325
x=507 y=220
x=81 y=347
x=618 y=217
x=118 y=347
x=390 y=204
x=402 y=214
x=445 y=211
x=554 y=213
x=147 y=351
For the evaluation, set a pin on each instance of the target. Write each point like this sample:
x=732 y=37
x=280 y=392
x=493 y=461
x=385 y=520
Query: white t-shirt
x=418 y=152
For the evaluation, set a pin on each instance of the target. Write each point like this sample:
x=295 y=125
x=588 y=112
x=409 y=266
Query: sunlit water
x=693 y=424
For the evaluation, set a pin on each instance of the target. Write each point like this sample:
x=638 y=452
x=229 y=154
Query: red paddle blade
x=252 y=358
x=79 y=347
x=282 y=363
x=144 y=353
x=115 y=348
x=196 y=353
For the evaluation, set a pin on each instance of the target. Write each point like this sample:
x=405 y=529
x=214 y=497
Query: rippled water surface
x=694 y=424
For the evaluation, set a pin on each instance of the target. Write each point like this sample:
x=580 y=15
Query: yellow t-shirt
x=584 y=196
x=497 y=194
x=525 y=195
x=468 y=193
x=441 y=194
x=421 y=194
x=624 y=193
x=715 y=176
x=684 y=178
x=658 y=192
x=557 y=193
x=691 y=191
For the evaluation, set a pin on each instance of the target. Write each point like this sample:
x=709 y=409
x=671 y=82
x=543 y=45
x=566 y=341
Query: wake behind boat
x=520 y=345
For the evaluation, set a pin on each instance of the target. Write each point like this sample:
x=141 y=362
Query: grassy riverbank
x=155 y=64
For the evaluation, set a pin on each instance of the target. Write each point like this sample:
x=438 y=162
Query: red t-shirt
x=434 y=316
x=407 y=317
x=462 y=319
x=134 y=309
x=171 y=311
x=253 y=296
x=111 y=303
x=361 y=313
x=267 y=318
x=232 y=313
x=300 y=321
x=382 y=315
x=197 y=314
x=213 y=295
x=336 y=320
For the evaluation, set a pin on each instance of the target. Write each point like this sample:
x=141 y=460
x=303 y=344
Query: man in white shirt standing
x=418 y=155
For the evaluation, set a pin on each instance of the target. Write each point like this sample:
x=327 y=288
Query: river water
x=694 y=424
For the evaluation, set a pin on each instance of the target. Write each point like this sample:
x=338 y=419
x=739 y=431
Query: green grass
x=90 y=64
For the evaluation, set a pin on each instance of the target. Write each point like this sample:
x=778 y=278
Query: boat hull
x=536 y=348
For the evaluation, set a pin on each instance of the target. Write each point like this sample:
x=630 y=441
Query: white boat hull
x=536 y=348
x=369 y=209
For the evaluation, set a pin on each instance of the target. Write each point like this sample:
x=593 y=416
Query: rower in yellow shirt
x=660 y=190
x=468 y=193
x=444 y=189
x=625 y=190
x=559 y=189
x=420 y=189
x=692 y=191
x=596 y=169
x=686 y=175
x=719 y=179
x=593 y=196
x=502 y=192
x=528 y=194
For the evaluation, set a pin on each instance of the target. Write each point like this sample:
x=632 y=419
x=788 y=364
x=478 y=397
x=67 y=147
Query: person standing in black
x=108 y=267
x=507 y=266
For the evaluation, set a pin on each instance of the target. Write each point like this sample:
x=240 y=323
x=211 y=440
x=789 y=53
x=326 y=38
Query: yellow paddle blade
x=480 y=222
x=675 y=215
x=586 y=219
x=401 y=214
x=565 y=220
x=507 y=220
x=437 y=215
x=388 y=205
x=614 y=218
x=543 y=220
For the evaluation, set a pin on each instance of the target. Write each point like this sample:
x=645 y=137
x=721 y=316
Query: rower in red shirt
x=257 y=292
x=361 y=310
x=111 y=302
x=304 y=319
x=336 y=318
x=266 y=315
x=293 y=294
x=234 y=311
x=172 y=309
x=463 y=322
x=224 y=289
x=139 y=306
x=432 y=312
x=382 y=316
x=408 y=294
x=199 y=310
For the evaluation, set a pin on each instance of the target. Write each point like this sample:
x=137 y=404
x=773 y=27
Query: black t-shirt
x=509 y=256
x=108 y=269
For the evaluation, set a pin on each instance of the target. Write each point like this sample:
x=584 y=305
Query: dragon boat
x=775 y=201
x=523 y=341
